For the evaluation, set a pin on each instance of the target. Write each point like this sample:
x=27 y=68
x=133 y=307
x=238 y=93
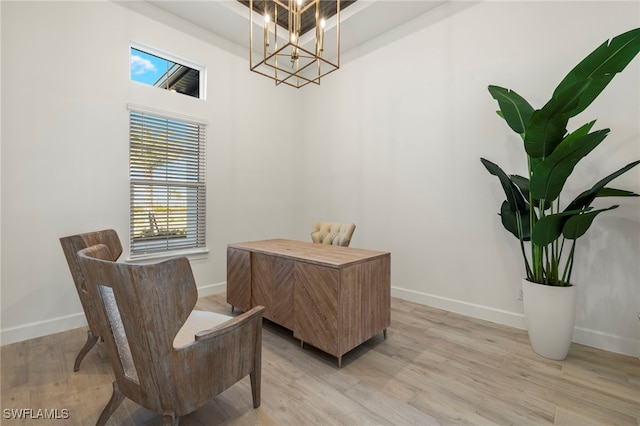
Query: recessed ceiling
x=308 y=18
x=361 y=22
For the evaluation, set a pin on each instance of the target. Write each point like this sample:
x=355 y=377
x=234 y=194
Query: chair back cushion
x=332 y=233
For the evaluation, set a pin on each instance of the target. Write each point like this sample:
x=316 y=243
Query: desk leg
x=232 y=307
x=301 y=344
x=340 y=361
x=384 y=333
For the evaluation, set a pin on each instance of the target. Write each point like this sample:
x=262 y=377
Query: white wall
x=65 y=81
x=396 y=151
x=402 y=131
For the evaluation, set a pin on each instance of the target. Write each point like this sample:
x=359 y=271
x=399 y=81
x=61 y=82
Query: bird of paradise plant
x=532 y=211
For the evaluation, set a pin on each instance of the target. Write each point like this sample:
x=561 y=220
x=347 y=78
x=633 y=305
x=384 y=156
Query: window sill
x=192 y=254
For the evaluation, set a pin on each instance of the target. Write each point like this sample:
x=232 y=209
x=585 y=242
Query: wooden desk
x=332 y=297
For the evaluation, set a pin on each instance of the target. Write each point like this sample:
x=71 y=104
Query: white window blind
x=167 y=183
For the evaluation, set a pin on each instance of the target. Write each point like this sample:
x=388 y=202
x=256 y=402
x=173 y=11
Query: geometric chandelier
x=295 y=42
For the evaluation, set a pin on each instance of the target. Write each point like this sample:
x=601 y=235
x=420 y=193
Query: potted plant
x=534 y=211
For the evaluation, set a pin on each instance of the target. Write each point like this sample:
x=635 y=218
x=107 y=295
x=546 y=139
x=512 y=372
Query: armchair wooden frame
x=142 y=308
x=70 y=246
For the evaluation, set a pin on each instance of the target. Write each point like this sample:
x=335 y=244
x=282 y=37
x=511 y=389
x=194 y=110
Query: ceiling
x=308 y=14
x=361 y=22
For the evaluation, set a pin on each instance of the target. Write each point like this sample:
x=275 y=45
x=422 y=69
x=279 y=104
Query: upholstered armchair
x=166 y=356
x=332 y=233
x=70 y=246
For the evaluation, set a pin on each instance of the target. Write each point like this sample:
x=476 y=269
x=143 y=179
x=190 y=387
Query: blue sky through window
x=146 y=68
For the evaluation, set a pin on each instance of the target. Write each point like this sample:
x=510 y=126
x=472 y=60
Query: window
x=158 y=70
x=167 y=183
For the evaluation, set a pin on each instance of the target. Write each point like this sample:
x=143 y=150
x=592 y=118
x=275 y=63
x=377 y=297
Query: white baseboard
x=593 y=338
x=69 y=322
x=607 y=342
x=512 y=319
x=211 y=289
x=41 y=328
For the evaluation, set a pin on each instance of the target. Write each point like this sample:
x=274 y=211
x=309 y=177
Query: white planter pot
x=550 y=314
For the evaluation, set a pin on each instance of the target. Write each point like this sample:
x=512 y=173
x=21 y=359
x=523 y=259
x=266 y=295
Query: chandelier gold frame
x=298 y=59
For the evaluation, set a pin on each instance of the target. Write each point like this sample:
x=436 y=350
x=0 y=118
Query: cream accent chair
x=166 y=356
x=70 y=246
x=332 y=233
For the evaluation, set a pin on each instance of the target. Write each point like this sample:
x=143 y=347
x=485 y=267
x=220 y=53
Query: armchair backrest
x=74 y=243
x=332 y=233
x=144 y=307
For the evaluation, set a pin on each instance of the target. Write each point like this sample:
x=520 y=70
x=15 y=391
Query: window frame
x=137 y=251
x=172 y=58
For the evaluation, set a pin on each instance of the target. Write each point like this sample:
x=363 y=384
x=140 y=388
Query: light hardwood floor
x=434 y=368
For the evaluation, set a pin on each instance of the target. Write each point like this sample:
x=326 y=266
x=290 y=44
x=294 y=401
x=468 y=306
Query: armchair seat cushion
x=197 y=321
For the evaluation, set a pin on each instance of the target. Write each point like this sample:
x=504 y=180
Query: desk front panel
x=272 y=281
x=239 y=278
x=316 y=306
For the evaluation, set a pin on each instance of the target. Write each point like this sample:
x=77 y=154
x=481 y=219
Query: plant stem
x=520 y=237
x=559 y=260
x=566 y=276
x=536 y=264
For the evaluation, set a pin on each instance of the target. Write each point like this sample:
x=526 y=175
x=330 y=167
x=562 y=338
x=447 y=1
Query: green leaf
x=549 y=228
x=576 y=226
x=601 y=65
x=550 y=175
x=581 y=131
x=598 y=190
x=514 y=197
x=510 y=221
x=515 y=110
x=613 y=192
x=548 y=125
x=523 y=184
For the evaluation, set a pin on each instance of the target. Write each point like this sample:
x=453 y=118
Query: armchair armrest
x=230 y=350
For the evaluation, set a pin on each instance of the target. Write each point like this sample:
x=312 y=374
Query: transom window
x=167 y=183
x=161 y=70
